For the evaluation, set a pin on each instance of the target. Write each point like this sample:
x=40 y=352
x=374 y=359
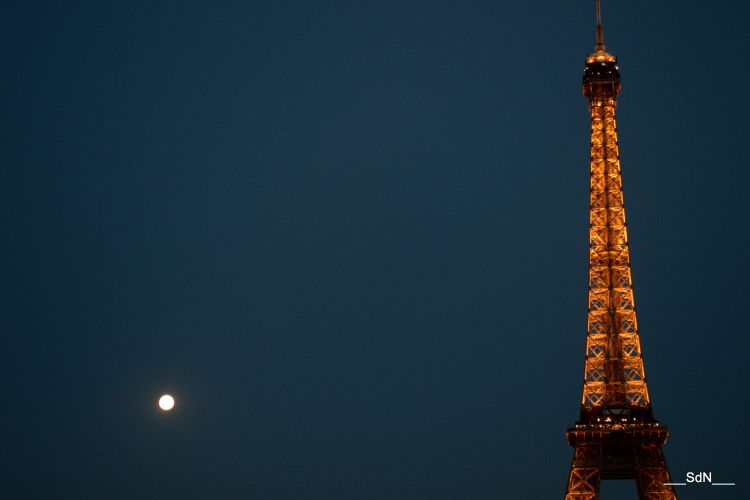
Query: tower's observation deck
x=601 y=76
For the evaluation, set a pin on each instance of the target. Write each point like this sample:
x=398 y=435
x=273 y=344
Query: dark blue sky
x=351 y=238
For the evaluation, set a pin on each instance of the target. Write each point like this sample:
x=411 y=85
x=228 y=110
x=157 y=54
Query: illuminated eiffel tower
x=617 y=436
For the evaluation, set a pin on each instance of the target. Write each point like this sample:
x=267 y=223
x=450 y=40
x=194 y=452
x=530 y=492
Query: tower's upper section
x=601 y=78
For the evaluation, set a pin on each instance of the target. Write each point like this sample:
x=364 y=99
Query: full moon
x=166 y=402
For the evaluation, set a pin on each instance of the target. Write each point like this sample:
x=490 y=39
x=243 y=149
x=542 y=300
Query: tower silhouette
x=617 y=436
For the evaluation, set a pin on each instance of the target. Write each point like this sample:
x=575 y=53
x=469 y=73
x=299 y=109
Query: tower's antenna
x=599 y=29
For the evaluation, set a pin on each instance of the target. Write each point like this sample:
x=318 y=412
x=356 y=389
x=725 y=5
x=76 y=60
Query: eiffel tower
x=617 y=436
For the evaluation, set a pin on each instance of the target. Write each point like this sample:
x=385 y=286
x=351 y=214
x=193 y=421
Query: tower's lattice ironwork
x=617 y=436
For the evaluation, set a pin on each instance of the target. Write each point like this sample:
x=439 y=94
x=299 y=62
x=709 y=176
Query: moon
x=166 y=402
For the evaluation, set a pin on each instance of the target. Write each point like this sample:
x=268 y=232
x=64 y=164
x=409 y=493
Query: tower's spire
x=600 y=52
x=599 y=29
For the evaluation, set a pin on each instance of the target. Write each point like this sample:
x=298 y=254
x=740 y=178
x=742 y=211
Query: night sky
x=351 y=239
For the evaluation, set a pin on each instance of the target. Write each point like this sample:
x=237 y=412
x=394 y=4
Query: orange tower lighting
x=617 y=436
